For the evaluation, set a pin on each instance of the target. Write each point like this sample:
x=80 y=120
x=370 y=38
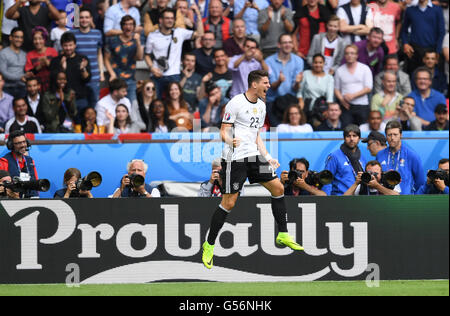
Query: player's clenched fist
x=236 y=142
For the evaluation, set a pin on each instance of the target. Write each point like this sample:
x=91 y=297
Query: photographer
x=71 y=177
x=376 y=185
x=133 y=183
x=6 y=193
x=213 y=186
x=437 y=180
x=18 y=163
x=299 y=186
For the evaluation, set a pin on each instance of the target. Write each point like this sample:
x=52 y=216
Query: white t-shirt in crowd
x=108 y=103
x=365 y=127
x=55 y=37
x=7 y=24
x=247 y=119
x=356 y=13
x=329 y=52
x=287 y=128
x=158 y=44
x=346 y=82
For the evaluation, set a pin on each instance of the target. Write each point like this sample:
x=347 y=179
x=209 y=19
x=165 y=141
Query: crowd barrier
x=187 y=157
x=105 y=241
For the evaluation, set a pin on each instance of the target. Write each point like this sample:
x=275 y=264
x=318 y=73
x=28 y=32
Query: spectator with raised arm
x=311 y=19
x=39 y=59
x=248 y=10
x=114 y=16
x=39 y=13
x=242 y=65
x=163 y=50
x=121 y=54
x=274 y=21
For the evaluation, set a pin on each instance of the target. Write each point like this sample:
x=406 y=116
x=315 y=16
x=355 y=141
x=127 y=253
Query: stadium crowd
x=61 y=74
x=332 y=64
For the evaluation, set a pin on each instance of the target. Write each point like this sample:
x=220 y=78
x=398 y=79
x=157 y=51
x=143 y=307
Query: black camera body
x=17 y=185
x=163 y=63
x=314 y=178
x=389 y=179
x=438 y=174
x=136 y=180
x=93 y=179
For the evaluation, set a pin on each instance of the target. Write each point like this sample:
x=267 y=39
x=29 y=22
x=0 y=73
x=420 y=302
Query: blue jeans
x=131 y=91
x=81 y=105
x=163 y=82
x=94 y=93
x=16 y=91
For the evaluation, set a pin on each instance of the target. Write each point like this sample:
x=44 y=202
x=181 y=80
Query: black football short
x=234 y=173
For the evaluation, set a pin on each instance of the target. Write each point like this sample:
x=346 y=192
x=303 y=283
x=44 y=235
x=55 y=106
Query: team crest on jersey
x=402 y=162
x=227 y=116
x=255 y=111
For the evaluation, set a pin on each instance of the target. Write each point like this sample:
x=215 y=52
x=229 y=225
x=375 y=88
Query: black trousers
x=358 y=114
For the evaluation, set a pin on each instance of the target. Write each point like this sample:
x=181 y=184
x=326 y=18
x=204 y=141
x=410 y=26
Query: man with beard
x=345 y=163
x=76 y=67
x=90 y=44
x=17 y=162
x=402 y=159
x=121 y=54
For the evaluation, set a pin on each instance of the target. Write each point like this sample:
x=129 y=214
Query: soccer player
x=245 y=155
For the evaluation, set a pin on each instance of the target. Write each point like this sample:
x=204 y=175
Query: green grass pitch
x=318 y=288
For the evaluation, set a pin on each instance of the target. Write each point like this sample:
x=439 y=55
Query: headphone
x=9 y=142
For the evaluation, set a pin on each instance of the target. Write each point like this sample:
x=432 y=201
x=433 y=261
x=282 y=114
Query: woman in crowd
x=178 y=108
x=89 y=122
x=140 y=109
x=58 y=107
x=122 y=123
x=159 y=118
x=294 y=121
x=39 y=59
x=71 y=177
x=315 y=84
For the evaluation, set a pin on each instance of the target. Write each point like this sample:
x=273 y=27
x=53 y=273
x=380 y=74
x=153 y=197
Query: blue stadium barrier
x=182 y=157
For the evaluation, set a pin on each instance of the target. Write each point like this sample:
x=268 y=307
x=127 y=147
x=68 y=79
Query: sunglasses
x=150 y=88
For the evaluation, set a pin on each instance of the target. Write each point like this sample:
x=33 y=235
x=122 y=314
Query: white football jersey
x=247 y=119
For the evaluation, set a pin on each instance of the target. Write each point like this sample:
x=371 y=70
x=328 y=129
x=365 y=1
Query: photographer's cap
x=375 y=136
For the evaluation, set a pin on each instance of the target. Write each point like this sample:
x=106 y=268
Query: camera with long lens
x=438 y=174
x=389 y=179
x=314 y=178
x=93 y=179
x=20 y=186
x=319 y=179
x=136 y=180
